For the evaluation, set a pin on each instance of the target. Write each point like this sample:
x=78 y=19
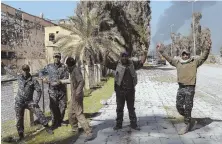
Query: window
x=57 y=32
x=4 y=55
x=3 y=42
x=51 y=37
x=11 y=54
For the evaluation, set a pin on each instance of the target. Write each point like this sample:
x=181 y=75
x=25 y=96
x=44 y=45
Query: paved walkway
x=157 y=116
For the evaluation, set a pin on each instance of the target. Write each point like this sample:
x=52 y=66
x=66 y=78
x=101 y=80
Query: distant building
x=51 y=33
x=22 y=36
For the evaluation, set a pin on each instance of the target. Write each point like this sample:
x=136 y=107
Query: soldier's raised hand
x=159 y=47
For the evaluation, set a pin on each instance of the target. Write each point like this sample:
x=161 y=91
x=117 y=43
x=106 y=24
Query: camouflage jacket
x=186 y=72
x=55 y=73
x=26 y=87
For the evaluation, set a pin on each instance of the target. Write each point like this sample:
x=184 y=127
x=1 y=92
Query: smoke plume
x=177 y=14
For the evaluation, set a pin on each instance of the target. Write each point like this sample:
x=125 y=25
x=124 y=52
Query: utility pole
x=162 y=37
x=194 y=36
x=172 y=40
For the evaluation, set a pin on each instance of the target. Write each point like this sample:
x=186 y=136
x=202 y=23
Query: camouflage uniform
x=57 y=93
x=186 y=77
x=76 y=105
x=185 y=95
x=125 y=89
x=24 y=100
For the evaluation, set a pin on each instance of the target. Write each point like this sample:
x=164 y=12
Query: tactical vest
x=120 y=71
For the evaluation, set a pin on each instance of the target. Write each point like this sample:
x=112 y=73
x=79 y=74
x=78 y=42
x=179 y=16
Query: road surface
x=157 y=116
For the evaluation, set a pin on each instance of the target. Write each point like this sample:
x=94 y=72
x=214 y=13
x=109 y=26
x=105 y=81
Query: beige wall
x=50 y=47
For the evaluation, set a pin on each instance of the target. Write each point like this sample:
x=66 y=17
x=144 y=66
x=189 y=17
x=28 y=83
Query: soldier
x=24 y=99
x=57 y=91
x=186 y=73
x=125 y=82
x=76 y=105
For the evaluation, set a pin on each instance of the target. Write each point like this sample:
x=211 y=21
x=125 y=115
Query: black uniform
x=125 y=91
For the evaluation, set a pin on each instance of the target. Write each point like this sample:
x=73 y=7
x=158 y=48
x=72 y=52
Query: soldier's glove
x=45 y=80
x=56 y=83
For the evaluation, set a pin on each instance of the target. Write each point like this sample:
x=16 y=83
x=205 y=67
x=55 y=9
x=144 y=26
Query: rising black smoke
x=177 y=14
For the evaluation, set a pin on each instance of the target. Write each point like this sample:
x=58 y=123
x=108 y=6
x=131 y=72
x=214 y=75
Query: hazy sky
x=179 y=14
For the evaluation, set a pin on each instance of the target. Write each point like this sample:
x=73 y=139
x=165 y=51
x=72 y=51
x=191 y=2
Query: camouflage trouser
x=57 y=104
x=184 y=101
x=123 y=95
x=20 y=110
x=76 y=115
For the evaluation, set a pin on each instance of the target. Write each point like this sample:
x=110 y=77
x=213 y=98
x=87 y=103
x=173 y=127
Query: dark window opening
x=51 y=37
x=11 y=54
x=4 y=54
x=57 y=32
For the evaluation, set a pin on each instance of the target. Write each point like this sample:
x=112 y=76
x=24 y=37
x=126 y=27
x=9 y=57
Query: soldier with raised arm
x=24 y=99
x=57 y=91
x=186 y=76
x=125 y=82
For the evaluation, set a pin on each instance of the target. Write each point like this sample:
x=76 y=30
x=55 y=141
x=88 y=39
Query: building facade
x=22 y=37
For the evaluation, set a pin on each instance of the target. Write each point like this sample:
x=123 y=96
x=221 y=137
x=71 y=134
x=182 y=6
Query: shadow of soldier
x=155 y=127
x=202 y=122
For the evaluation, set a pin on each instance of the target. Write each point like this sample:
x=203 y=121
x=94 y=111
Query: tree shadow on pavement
x=160 y=125
x=156 y=122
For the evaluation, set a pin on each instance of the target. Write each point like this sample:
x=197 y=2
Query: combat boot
x=48 y=129
x=188 y=127
x=193 y=124
x=184 y=129
x=75 y=130
x=134 y=126
x=118 y=126
x=89 y=136
x=21 y=136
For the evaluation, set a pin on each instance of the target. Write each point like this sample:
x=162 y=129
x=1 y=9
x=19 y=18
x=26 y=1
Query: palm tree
x=86 y=42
